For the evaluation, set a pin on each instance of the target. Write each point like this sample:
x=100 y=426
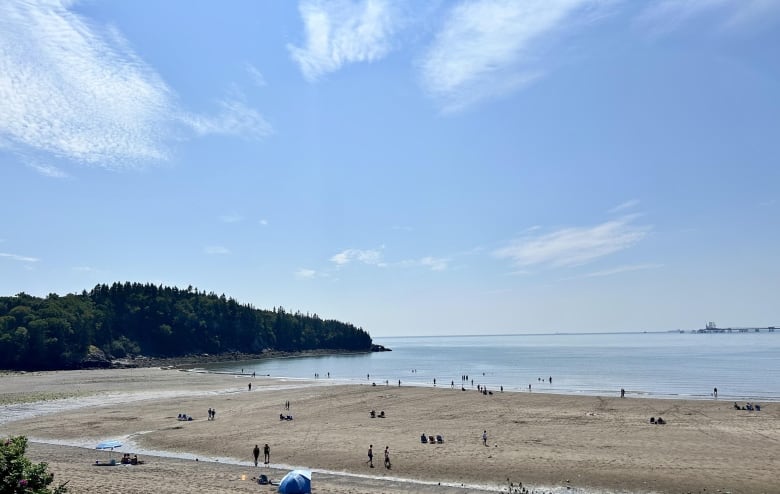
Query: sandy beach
x=548 y=442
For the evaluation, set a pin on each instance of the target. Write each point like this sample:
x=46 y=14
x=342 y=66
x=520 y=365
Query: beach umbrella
x=296 y=482
x=109 y=445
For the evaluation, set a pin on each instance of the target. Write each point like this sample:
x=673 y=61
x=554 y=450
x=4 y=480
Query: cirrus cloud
x=341 y=32
x=76 y=90
x=574 y=246
x=487 y=48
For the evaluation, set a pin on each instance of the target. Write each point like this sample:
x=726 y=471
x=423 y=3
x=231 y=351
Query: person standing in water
x=256 y=453
x=266 y=454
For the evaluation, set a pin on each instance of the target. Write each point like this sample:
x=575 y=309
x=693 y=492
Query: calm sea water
x=744 y=367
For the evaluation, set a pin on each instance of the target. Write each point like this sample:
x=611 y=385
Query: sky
x=413 y=168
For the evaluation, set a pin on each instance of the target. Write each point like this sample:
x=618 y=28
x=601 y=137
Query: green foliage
x=127 y=319
x=18 y=475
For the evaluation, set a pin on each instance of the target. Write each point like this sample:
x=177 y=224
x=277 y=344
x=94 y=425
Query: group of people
x=266 y=454
x=184 y=417
x=127 y=460
x=748 y=406
x=212 y=413
x=373 y=414
x=371 y=456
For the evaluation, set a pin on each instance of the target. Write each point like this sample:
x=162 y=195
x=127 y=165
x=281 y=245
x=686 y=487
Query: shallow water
x=743 y=366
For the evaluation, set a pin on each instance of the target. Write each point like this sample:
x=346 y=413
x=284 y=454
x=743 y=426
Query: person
x=371 y=455
x=622 y=393
x=484 y=437
x=715 y=392
x=209 y=414
x=387 y=457
x=250 y=386
x=266 y=454
x=256 y=453
x=213 y=413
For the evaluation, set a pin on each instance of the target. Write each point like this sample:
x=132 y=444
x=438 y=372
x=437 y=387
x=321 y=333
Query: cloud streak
x=76 y=90
x=669 y=15
x=623 y=269
x=15 y=257
x=574 y=246
x=370 y=257
x=216 y=250
x=341 y=32
x=487 y=48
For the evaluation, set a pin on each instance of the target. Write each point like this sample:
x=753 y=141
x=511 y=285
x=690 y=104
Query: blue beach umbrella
x=109 y=445
x=296 y=482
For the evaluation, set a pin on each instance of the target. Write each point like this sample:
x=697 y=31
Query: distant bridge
x=712 y=328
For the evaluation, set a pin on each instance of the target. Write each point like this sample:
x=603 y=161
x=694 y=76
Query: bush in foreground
x=18 y=475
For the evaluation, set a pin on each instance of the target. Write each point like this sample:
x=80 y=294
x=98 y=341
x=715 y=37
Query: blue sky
x=415 y=168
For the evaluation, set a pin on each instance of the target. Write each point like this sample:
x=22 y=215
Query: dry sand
x=567 y=443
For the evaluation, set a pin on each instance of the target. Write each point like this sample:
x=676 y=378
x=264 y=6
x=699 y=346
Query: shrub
x=18 y=475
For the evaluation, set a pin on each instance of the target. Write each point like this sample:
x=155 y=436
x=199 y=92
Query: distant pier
x=713 y=328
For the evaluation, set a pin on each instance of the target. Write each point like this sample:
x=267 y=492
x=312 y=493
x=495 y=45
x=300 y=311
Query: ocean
x=742 y=366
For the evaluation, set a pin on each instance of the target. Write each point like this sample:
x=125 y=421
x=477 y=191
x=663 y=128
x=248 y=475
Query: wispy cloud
x=668 y=15
x=216 y=250
x=432 y=263
x=574 y=246
x=15 y=257
x=370 y=257
x=623 y=269
x=305 y=274
x=235 y=118
x=263 y=222
x=48 y=170
x=632 y=203
x=84 y=269
x=231 y=218
x=74 y=89
x=257 y=77
x=343 y=31
x=487 y=48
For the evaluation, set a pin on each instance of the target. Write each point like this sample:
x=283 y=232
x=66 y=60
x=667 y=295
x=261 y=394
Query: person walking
x=387 y=457
x=484 y=438
x=370 y=455
x=256 y=453
x=266 y=454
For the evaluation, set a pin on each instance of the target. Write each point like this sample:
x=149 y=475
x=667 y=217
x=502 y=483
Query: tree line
x=130 y=319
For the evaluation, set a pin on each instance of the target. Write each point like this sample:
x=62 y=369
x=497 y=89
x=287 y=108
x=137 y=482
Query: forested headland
x=133 y=319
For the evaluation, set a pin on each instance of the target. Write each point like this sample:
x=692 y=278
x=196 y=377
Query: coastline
x=572 y=443
x=192 y=361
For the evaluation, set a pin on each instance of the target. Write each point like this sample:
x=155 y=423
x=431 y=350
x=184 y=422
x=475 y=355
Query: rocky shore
x=196 y=360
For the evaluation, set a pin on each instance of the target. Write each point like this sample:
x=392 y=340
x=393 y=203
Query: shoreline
x=572 y=443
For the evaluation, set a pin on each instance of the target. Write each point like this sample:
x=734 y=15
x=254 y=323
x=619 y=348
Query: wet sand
x=567 y=443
